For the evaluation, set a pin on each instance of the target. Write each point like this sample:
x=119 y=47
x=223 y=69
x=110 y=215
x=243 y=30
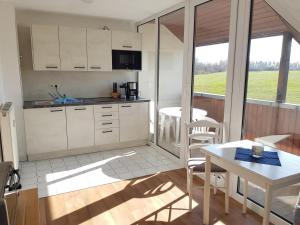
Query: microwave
x=126 y=60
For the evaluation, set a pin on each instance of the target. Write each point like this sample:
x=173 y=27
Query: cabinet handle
x=56 y=110
x=126 y=46
x=95 y=67
x=106 y=107
x=106 y=115
x=107 y=131
x=79 y=67
x=106 y=123
x=126 y=106
x=51 y=67
x=80 y=108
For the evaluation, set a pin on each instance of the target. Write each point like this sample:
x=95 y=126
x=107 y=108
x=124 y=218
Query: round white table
x=175 y=113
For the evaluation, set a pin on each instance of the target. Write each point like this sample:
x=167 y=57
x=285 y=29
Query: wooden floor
x=158 y=199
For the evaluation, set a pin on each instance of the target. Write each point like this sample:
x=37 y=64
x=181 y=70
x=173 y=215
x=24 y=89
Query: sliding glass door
x=272 y=96
x=210 y=59
x=147 y=76
x=170 y=71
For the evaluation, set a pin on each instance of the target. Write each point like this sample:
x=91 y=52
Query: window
x=273 y=82
x=211 y=44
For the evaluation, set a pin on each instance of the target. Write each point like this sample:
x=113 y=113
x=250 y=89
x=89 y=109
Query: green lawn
x=261 y=85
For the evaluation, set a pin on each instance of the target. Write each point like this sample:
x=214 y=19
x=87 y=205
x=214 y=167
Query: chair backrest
x=204 y=131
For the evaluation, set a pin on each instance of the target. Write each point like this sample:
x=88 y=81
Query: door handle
x=106 y=107
x=126 y=46
x=107 y=131
x=51 y=67
x=126 y=106
x=79 y=67
x=56 y=110
x=106 y=115
x=96 y=67
x=107 y=123
x=80 y=108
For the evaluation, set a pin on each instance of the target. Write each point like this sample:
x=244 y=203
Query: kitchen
x=111 y=111
x=79 y=61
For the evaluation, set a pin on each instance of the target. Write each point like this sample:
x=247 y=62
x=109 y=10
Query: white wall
x=10 y=71
x=75 y=84
x=170 y=69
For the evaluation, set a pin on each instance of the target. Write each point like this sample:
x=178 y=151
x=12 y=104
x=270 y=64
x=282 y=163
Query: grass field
x=261 y=85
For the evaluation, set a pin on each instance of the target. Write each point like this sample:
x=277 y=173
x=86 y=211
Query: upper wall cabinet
x=45 y=47
x=122 y=40
x=73 y=48
x=99 y=50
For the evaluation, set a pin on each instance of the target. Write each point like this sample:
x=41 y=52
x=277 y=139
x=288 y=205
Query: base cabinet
x=134 y=121
x=80 y=126
x=45 y=130
x=72 y=129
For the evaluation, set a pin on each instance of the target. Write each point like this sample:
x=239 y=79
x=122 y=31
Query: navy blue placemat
x=270 y=158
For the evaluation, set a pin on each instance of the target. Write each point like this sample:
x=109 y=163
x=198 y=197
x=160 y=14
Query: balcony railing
x=262 y=118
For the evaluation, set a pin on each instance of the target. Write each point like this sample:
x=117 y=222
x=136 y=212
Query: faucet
x=56 y=94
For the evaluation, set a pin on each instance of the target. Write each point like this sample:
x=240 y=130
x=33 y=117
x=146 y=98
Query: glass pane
x=273 y=82
x=147 y=76
x=211 y=43
x=171 y=33
x=293 y=88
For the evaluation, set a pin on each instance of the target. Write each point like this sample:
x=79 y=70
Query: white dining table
x=269 y=177
x=175 y=112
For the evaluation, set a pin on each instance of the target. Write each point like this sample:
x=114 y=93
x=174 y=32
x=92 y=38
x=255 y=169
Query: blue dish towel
x=66 y=100
x=269 y=158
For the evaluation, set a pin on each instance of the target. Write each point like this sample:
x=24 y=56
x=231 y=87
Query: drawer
x=106 y=108
x=101 y=124
x=106 y=116
x=107 y=136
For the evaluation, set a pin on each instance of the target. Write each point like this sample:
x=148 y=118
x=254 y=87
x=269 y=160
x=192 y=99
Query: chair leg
x=227 y=185
x=188 y=180
x=190 y=189
x=245 y=189
x=215 y=186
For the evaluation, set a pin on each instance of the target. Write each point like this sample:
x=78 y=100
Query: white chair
x=199 y=133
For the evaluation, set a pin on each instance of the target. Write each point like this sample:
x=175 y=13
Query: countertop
x=83 y=101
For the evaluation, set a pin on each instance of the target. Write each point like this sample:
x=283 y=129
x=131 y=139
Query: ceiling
x=119 y=9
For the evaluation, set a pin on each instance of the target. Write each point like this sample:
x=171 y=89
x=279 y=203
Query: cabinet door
x=122 y=40
x=45 y=47
x=73 y=48
x=99 y=50
x=80 y=126
x=134 y=124
x=45 y=130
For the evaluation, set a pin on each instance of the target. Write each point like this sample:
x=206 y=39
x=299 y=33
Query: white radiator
x=9 y=134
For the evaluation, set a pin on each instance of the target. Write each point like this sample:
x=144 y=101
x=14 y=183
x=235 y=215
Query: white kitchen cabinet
x=80 y=126
x=45 y=130
x=45 y=47
x=73 y=52
x=99 y=50
x=123 y=40
x=107 y=136
x=134 y=123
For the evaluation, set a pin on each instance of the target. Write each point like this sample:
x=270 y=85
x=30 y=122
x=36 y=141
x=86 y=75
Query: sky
x=259 y=47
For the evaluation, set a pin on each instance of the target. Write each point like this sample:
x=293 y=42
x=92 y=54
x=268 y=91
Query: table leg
x=245 y=189
x=227 y=185
x=268 y=199
x=206 y=191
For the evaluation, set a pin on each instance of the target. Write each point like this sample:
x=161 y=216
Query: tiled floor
x=67 y=174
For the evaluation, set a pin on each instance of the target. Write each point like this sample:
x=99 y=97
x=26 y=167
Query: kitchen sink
x=43 y=102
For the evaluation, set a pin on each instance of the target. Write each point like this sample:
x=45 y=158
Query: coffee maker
x=132 y=91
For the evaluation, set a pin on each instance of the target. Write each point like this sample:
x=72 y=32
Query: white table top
x=288 y=171
x=176 y=112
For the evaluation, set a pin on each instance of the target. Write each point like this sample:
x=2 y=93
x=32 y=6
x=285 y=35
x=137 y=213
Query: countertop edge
x=30 y=104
